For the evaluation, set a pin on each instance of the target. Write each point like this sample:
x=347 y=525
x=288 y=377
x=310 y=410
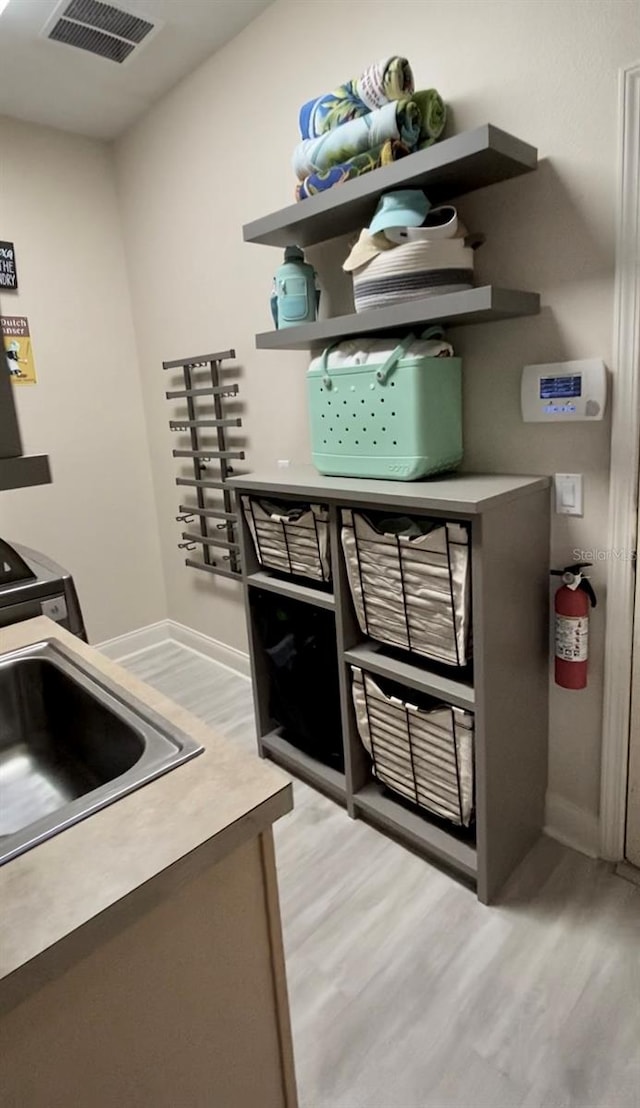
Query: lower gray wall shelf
x=485 y=304
x=509 y=523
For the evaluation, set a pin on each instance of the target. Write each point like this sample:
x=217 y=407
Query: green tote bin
x=399 y=418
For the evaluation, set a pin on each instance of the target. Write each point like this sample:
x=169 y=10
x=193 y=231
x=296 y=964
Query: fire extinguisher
x=572 y=602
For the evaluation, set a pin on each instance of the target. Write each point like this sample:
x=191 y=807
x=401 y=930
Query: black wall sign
x=8 y=271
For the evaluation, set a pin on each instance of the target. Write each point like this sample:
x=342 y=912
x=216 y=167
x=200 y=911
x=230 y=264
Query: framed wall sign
x=8 y=268
x=18 y=351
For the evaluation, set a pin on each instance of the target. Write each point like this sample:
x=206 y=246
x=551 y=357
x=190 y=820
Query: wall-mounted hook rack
x=218 y=570
x=208 y=513
x=208 y=455
x=216 y=390
x=209 y=540
x=186 y=424
x=200 y=426
x=197 y=483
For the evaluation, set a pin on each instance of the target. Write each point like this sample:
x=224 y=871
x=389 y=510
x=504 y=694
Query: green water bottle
x=295 y=297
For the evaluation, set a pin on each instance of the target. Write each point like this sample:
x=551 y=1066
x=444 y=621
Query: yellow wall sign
x=18 y=349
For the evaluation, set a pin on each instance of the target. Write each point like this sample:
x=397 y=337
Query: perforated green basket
x=400 y=419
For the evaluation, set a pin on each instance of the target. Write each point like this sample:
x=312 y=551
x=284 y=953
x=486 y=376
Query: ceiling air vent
x=99 y=28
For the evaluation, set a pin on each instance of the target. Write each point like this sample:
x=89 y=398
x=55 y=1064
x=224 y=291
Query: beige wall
x=215 y=153
x=98 y=517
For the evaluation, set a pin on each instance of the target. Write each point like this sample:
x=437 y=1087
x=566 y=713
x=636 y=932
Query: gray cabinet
x=507 y=690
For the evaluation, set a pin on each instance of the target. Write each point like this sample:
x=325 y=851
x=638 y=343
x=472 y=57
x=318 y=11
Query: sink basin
x=71 y=742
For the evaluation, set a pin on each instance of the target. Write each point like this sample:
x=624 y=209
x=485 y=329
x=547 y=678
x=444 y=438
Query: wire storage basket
x=291 y=538
x=410 y=579
x=425 y=754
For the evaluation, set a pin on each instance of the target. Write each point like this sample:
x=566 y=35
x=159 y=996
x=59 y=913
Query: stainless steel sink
x=70 y=743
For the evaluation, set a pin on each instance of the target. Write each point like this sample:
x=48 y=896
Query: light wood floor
x=407 y=993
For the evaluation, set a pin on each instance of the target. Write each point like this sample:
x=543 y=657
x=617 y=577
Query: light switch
x=568 y=488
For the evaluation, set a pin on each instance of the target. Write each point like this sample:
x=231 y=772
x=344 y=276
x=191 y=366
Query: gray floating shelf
x=262 y=579
x=481 y=305
x=451 y=168
x=25 y=471
x=371 y=658
x=308 y=769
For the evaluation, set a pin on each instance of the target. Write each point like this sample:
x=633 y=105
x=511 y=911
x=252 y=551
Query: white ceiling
x=49 y=82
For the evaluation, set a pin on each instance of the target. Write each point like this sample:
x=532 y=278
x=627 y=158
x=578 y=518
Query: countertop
x=140 y=846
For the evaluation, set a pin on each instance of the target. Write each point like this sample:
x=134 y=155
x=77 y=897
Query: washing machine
x=32 y=585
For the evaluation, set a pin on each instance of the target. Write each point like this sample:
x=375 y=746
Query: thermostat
x=563 y=391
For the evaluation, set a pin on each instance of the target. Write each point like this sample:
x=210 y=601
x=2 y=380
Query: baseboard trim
x=135 y=642
x=220 y=652
x=572 y=826
x=169 y=630
x=629 y=872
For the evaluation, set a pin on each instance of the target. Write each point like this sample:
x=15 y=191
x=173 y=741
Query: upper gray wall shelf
x=451 y=168
x=480 y=305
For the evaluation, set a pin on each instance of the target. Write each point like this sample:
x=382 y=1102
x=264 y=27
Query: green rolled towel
x=433 y=112
x=398 y=121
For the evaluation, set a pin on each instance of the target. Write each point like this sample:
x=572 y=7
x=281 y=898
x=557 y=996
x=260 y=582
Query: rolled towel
x=433 y=112
x=389 y=79
x=384 y=154
x=399 y=120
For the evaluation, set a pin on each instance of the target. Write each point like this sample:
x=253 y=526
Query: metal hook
x=184 y=519
x=186 y=546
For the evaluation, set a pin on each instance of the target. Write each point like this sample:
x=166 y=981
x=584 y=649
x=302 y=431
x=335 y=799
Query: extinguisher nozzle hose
x=573 y=579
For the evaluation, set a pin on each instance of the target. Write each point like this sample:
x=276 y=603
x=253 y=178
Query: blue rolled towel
x=389 y=79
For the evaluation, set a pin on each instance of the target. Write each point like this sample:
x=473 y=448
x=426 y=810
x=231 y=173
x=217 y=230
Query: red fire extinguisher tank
x=572 y=602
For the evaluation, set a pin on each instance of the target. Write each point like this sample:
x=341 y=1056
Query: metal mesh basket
x=424 y=754
x=411 y=583
x=291 y=538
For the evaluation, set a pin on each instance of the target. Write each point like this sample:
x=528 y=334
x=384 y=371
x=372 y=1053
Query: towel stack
x=368 y=122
